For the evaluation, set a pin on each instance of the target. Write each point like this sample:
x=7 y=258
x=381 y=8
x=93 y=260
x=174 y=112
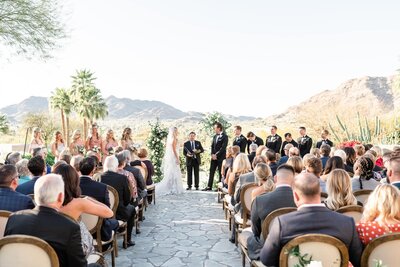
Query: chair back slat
x=143 y=171
x=353 y=211
x=3 y=221
x=383 y=248
x=114 y=198
x=245 y=197
x=36 y=252
x=362 y=195
x=267 y=223
x=92 y=222
x=328 y=250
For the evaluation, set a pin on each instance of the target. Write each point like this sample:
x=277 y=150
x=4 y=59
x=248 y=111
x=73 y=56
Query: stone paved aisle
x=184 y=230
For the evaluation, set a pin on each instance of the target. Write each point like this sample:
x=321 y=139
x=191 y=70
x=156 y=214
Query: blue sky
x=238 y=57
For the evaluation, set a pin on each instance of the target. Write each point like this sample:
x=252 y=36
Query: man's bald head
x=307 y=188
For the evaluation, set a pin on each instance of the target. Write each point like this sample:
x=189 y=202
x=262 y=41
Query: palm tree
x=87 y=98
x=4 y=125
x=60 y=100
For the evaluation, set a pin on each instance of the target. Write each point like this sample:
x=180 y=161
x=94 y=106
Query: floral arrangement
x=156 y=146
x=351 y=143
x=81 y=149
x=304 y=260
x=96 y=149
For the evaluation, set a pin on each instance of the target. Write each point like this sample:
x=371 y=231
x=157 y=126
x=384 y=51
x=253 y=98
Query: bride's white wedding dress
x=172 y=176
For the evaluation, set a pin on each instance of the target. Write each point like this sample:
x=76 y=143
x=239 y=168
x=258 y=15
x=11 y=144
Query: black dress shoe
x=189 y=188
x=130 y=243
x=197 y=188
x=232 y=240
x=206 y=189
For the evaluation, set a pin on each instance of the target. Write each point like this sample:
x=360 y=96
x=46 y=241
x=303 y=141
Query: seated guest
x=143 y=156
x=393 y=171
x=66 y=156
x=132 y=181
x=377 y=170
x=98 y=191
x=340 y=153
x=312 y=217
x=288 y=140
x=226 y=164
x=260 y=150
x=350 y=158
x=265 y=180
x=297 y=163
x=253 y=139
x=379 y=153
x=360 y=150
x=253 y=150
x=241 y=165
x=12 y=158
x=381 y=214
x=125 y=210
x=338 y=187
x=315 y=152
x=314 y=166
x=333 y=163
x=325 y=151
x=281 y=197
x=75 y=161
x=23 y=171
x=74 y=205
x=285 y=157
x=43 y=153
x=363 y=174
x=137 y=174
x=271 y=156
x=11 y=200
x=294 y=151
x=45 y=222
x=324 y=140
x=37 y=167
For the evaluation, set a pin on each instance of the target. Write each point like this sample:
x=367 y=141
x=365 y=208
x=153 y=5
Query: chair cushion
x=151 y=187
x=93 y=258
x=243 y=236
x=239 y=220
x=121 y=223
x=257 y=264
x=105 y=242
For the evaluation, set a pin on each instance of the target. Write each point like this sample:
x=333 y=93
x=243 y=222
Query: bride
x=172 y=180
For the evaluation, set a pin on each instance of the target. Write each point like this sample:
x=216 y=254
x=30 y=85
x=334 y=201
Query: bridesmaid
x=77 y=144
x=126 y=139
x=58 y=145
x=109 y=143
x=37 y=140
x=94 y=142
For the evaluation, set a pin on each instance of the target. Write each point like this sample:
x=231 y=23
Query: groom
x=192 y=150
x=218 y=154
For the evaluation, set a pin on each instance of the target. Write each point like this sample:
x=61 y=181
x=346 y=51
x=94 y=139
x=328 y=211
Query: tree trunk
x=63 y=123
x=85 y=129
x=68 y=137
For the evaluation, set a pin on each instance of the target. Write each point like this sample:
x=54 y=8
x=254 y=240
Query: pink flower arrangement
x=351 y=143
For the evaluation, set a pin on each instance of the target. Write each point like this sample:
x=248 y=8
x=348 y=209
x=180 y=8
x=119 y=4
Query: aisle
x=185 y=230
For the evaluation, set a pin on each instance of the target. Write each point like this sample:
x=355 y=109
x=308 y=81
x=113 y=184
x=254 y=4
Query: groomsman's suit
x=218 y=148
x=305 y=144
x=257 y=141
x=241 y=142
x=324 y=142
x=193 y=161
x=274 y=142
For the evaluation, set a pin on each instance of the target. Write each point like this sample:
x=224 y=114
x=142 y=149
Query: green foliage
x=50 y=159
x=304 y=260
x=61 y=100
x=155 y=142
x=31 y=27
x=210 y=119
x=4 y=124
x=378 y=263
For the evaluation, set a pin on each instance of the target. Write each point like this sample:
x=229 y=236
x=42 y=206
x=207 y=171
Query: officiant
x=192 y=150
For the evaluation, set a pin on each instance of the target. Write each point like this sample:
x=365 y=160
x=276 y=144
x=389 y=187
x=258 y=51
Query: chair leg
x=113 y=257
x=236 y=234
x=243 y=259
x=154 y=196
x=126 y=239
x=115 y=245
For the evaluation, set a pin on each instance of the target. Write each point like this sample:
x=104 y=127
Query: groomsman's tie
x=192 y=144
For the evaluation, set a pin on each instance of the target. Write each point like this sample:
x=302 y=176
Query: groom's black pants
x=215 y=164
x=190 y=168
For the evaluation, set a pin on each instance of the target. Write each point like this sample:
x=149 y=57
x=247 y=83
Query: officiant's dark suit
x=193 y=160
x=218 y=148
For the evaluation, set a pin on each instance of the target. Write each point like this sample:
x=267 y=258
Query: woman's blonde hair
x=297 y=163
x=109 y=132
x=263 y=173
x=241 y=164
x=229 y=152
x=260 y=149
x=315 y=152
x=74 y=135
x=338 y=187
x=383 y=205
x=360 y=150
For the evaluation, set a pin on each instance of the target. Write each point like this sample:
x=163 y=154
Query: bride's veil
x=169 y=156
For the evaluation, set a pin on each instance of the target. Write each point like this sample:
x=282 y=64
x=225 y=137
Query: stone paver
x=182 y=230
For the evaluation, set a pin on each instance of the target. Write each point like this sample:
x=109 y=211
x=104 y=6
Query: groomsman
x=274 y=141
x=305 y=142
x=253 y=139
x=218 y=154
x=192 y=150
x=325 y=140
x=288 y=140
x=239 y=139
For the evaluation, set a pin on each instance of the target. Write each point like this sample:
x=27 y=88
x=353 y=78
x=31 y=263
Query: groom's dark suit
x=218 y=148
x=193 y=162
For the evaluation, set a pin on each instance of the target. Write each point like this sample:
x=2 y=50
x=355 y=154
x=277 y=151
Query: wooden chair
x=324 y=248
x=362 y=195
x=3 y=221
x=241 y=220
x=36 y=252
x=229 y=210
x=266 y=226
x=123 y=226
x=93 y=223
x=383 y=248
x=324 y=196
x=151 y=188
x=353 y=211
